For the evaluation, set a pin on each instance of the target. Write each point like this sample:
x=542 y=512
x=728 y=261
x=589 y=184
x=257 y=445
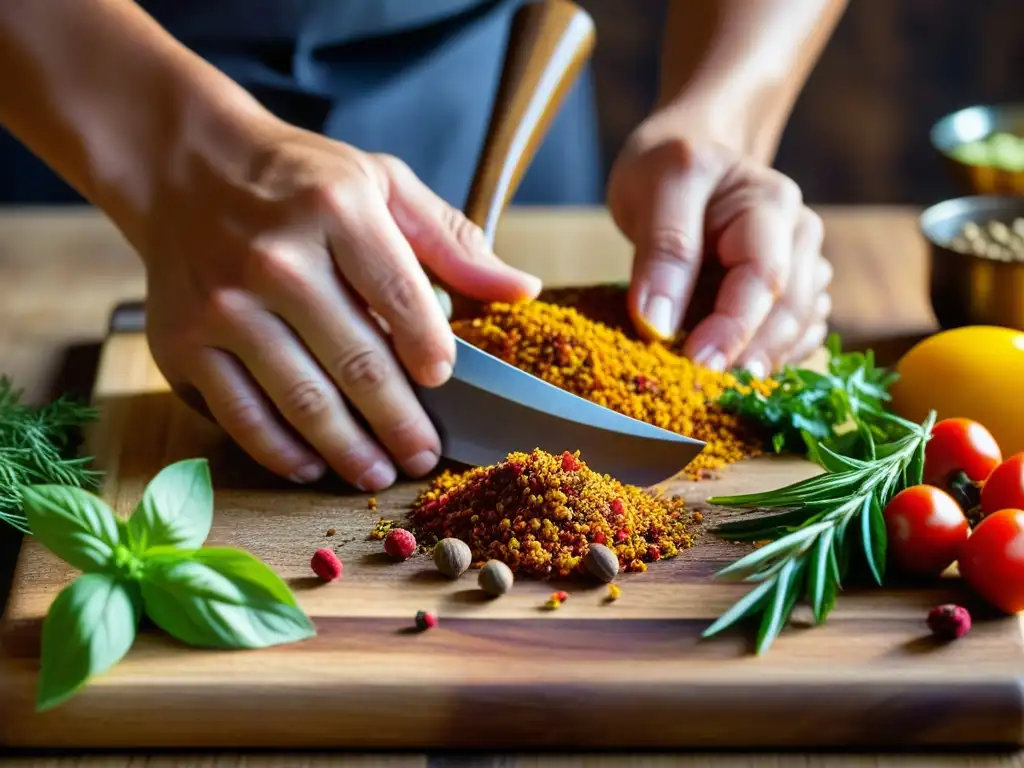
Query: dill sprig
x=36 y=447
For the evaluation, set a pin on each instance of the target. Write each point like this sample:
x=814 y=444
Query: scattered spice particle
x=331 y=531
x=949 y=622
x=698 y=516
x=326 y=565
x=425 y=620
x=372 y=503
x=540 y=519
x=614 y=591
x=553 y=603
x=593 y=354
x=382 y=529
x=400 y=544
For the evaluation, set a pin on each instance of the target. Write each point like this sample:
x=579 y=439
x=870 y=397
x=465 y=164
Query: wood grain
x=494 y=674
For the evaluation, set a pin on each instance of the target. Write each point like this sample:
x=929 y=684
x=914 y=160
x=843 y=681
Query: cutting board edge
x=814 y=714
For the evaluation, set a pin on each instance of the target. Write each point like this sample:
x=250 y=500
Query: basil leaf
x=176 y=509
x=213 y=604
x=74 y=524
x=90 y=626
x=237 y=563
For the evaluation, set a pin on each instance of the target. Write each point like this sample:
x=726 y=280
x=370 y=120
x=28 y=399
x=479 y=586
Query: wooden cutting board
x=495 y=674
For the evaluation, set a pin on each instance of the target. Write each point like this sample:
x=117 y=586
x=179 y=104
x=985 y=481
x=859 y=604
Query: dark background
x=859 y=133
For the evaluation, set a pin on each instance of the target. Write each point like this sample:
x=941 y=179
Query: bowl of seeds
x=983 y=146
x=976 y=259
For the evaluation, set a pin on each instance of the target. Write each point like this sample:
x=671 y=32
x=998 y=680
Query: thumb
x=452 y=247
x=669 y=244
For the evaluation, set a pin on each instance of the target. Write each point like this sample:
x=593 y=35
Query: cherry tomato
x=992 y=560
x=925 y=529
x=960 y=445
x=1004 y=488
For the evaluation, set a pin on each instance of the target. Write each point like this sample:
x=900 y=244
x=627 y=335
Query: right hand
x=260 y=277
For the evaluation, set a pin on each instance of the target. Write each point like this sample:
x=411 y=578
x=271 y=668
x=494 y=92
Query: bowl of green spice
x=983 y=146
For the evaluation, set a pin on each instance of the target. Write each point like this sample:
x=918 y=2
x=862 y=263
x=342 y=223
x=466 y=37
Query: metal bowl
x=967 y=289
x=974 y=124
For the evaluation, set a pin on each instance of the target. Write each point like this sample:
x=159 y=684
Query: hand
x=261 y=277
x=683 y=198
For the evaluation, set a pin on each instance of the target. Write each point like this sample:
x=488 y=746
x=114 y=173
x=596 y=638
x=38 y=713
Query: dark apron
x=413 y=78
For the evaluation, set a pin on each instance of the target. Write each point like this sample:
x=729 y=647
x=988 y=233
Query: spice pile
x=601 y=362
x=538 y=513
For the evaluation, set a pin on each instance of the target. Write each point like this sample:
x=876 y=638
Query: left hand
x=682 y=196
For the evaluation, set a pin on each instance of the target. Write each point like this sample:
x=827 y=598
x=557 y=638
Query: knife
x=488 y=408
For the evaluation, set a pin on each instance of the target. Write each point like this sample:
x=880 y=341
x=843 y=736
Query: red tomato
x=1004 y=488
x=925 y=529
x=992 y=560
x=960 y=444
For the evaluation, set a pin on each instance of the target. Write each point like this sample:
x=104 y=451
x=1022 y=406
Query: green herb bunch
x=153 y=562
x=828 y=518
x=35 y=445
x=842 y=409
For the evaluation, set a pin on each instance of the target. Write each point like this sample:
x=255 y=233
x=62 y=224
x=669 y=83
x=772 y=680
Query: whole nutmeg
x=452 y=557
x=601 y=562
x=495 y=578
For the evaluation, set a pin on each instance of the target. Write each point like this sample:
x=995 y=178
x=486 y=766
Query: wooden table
x=60 y=274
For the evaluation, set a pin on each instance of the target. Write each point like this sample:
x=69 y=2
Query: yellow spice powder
x=602 y=363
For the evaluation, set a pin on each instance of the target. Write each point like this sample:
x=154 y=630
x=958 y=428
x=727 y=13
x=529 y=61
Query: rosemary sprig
x=35 y=448
x=812 y=541
x=842 y=408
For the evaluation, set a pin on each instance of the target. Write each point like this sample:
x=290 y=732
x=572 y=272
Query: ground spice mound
x=645 y=380
x=538 y=513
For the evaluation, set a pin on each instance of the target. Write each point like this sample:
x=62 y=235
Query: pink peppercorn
x=570 y=463
x=600 y=538
x=326 y=565
x=621 y=536
x=561 y=596
x=400 y=544
x=617 y=507
x=948 y=622
x=654 y=552
x=425 y=620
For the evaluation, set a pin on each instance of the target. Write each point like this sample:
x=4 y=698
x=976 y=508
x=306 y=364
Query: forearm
x=108 y=99
x=736 y=67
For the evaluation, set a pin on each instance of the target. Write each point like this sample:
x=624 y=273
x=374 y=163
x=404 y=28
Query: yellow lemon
x=975 y=373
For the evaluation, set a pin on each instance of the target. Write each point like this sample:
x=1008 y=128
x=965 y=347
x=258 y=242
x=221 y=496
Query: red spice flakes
x=425 y=620
x=382 y=529
x=570 y=462
x=400 y=544
x=372 y=503
x=519 y=512
x=326 y=565
x=561 y=596
x=555 y=600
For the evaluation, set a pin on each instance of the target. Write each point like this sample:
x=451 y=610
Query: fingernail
x=376 y=478
x=421 y=463
x=658 y=314
x=307 y=474
x=756 y=367
x=437 y=374
x=711 y=358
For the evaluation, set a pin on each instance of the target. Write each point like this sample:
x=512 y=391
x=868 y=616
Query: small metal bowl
x=974 y=124
x=968 y=289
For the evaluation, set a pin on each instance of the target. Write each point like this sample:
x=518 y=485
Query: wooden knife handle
x=548 y=45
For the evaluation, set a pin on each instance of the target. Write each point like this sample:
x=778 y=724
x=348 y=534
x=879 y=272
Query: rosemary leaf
x=821 y=573
x=743 y=607
x=787 y=587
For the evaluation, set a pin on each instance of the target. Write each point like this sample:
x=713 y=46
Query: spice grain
x=601 y=562
x=400 y=544
x=603 y=363
x=452 y=557
x=495 y=578
x=539 y=513
x=326 y=565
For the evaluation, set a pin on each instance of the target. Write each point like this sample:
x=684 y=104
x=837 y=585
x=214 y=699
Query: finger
x=243 y=411
x=378 y=262
x=790 y=317
x=756 y=250
x=454 y=248
x=812 y=340
x=305 y=397
x=354 y=353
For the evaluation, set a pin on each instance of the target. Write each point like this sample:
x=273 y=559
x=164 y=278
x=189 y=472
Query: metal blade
x=489 y=408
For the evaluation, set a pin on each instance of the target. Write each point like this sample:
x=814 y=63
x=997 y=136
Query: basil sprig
x=154 y=563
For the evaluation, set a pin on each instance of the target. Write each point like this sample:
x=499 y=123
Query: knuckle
x=243 y=414
x=823 y=306
x=466 y=233
x=812 y=228
x=783 y=191
x=411 y=432
x=825 y=272
x=674 y=244
x=224 y=307
x=392 y=164
x=361 y=371
x=398 y=291
x=306 y=400
x=277 y=267
x=773 y=273
x=734 y=333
